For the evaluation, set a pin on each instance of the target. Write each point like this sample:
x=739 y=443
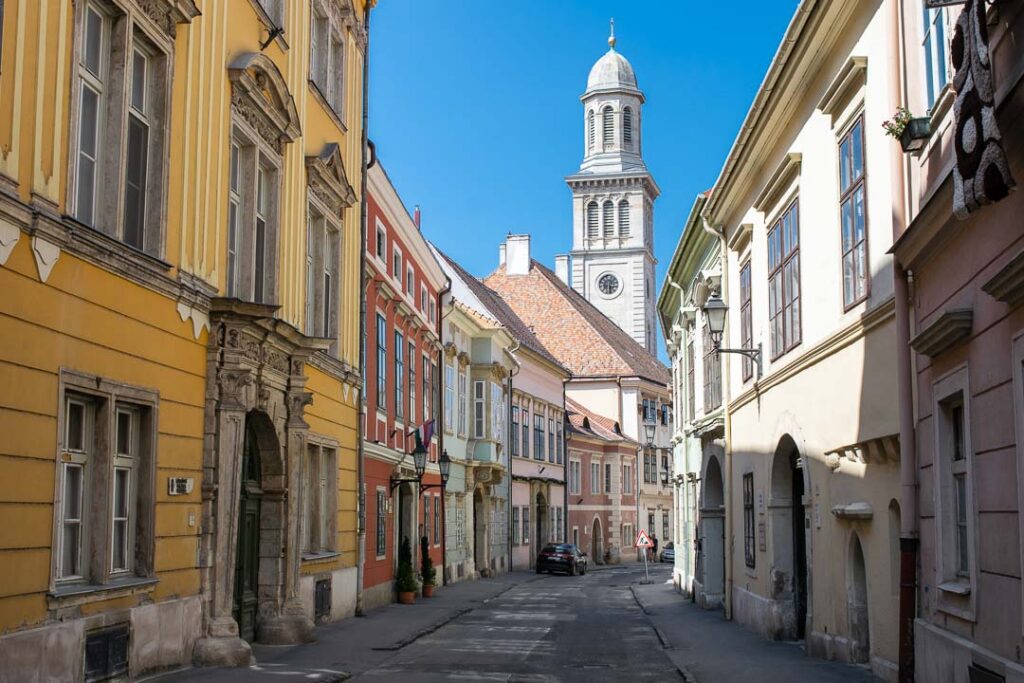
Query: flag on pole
x=426 y=432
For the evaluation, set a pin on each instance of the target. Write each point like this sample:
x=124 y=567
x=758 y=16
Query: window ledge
x=325 y=103
x=66 y=595
x=961 y=588
x=320 y=556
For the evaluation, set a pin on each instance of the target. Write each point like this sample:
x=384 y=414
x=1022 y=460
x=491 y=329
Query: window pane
x=124 y=433
x=858 y=214
x=139 y=81
x=72 y=515
x=121 y=479
x=844 y=164
x=71 y=547
x=72 y=492
x=87 y=154
x=75 y=439
x=858 y=150
x=135 y=182
x=93 y=41
x=846 y=212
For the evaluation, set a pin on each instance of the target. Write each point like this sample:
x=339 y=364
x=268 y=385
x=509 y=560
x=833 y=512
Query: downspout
x=904 y=381
x=723 y=259
x=361 y=471
x=510 y=351
x=565 y=468
x=440 y=432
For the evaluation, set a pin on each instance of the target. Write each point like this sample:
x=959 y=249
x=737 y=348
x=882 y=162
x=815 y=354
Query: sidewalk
x=708 y=649
x=354 y=645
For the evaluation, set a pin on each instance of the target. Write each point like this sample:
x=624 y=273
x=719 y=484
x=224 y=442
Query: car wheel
x=572 y=569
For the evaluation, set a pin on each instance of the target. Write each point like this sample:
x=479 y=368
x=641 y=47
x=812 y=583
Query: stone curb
x=666 y=644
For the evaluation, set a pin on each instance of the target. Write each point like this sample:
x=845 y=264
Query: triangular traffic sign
x=643 y=540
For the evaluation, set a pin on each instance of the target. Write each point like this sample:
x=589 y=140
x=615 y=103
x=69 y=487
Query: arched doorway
x=540 y=535
x=711 y=547
x=857 y=603
x=597 y=542
x=247 y=560
x=789 y=537
x=480 y=533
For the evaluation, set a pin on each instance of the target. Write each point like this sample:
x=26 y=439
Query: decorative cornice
x=882 y=450
x=780 y=180
x=860 y=510
x=325 y=173
x=851 y=77
x=1008 y=284
x=741 y=237
x=945 y=332
x=260 y=96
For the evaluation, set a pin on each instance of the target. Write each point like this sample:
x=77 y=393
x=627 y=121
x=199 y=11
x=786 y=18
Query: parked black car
x=562 y=557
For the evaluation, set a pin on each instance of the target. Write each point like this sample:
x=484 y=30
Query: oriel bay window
x=852 y=211
x=119 y=130
x=104 y=501
x=449 y=394
x=784 y=282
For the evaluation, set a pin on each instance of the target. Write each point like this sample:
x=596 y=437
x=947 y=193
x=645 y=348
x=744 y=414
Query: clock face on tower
x=608 y=285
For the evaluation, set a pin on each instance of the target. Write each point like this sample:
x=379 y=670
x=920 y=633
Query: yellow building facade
x=180 y=186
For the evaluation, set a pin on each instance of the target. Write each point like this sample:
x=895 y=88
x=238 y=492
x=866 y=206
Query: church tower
x=613 y=197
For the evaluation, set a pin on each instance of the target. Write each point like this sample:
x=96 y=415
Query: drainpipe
x=904 y=377
x=440 y=431
x=723 y=259
x=510 y=351
x=565 y=469
x=361 y=471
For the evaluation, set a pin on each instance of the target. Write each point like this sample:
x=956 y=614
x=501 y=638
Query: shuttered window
x=607 y=127
x=627 y=128
x=590 y=130
x=592 y=230
x=608 y=218
x=623 y=218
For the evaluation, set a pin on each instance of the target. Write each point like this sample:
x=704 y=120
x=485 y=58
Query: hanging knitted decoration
x=981 y=175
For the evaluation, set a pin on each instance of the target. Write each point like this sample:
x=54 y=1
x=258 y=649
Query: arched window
x=590 y=130
x=608 y=218
x=627 y=128
x=607 y=127
x=592 y=230
x=623 y=218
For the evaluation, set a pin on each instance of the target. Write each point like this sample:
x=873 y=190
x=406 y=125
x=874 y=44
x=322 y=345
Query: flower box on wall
x=913 y=137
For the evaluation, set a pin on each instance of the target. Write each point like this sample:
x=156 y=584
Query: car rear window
x=558 y=548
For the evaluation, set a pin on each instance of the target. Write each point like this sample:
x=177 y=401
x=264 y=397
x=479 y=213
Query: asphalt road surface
x=557 y=628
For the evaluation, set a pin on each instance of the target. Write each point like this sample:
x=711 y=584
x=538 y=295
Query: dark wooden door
x=248 y=558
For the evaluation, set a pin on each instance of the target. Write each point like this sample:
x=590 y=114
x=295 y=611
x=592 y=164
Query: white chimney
x=562 y=267
x=501 y=254
x=517 y=249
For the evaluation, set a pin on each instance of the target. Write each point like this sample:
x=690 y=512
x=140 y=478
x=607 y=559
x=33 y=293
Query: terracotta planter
x=407 y=597
x=428 y=590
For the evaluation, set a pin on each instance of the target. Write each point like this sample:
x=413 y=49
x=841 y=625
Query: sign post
x=644 y=542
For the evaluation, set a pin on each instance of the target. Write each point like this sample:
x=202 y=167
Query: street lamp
x=444 y=463
x=715 y=311
x=419 y=462
x=649 y=429
x=664 y=477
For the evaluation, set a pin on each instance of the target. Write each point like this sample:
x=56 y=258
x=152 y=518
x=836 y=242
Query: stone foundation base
x=942 y=656
x=773 y=619
x=706 y=600
x=286 y=629
x=223 y=651
x=379 y=595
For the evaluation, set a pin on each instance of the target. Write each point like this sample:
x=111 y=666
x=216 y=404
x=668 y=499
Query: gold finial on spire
x=611 y=38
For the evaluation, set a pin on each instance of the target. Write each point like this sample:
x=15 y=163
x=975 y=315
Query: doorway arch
x=711 y=543
x=857 y=602
x=788 y=521
x=597 y=541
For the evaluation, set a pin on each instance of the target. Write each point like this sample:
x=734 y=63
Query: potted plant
x=405 y=580
x=911 y=131
x=427 y=572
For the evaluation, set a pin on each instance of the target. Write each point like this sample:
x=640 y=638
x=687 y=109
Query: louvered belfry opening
x=609 y=218
x=592 y=230
x=590 y=130
x=623 y=218
x=608 y=127
x=627 y=128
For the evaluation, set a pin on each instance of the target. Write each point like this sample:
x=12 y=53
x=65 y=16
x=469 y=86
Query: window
x=592 y=229
x=410 y=280
x=381 y=522
x=538 y=436
x=561 y=441
x=590 y=131
x=624 y=218
x=119 y=102
x=608 y=218
x=433 y=311
x=650 y=522
x=104 y=502
x=665 y=534
x=526 y=525
x=399 y=375
x=784 y=282
x=479 y=422
x=746 y=320
x=953 y=417
x=381 y=243
x=595 y=477
x=428 y=394
x=574 y=476
x=559 y=525
x=552 y=450
x=852 y=211
x=463 y=400
x=412 y=384
x=526 y=432
x=396 y=265
x=322 y=263
x=515 y=431
x=664 y=414
x=748 y=519
x=434 y=371
x=627 y=479
x=382 y=360
x=273 y=10
x=252 y=220
x=515 y=525
x=648 y=468
x=712 y=373
x=449 y=394
x=936 y=62
x=437 y=520
x=327 y=61
x=607 y=477
x=607 y=127
x=320 y=469
x=627 y=128
x=423 y=298
x=497 y=413
x=426 y=517
x=691 y=393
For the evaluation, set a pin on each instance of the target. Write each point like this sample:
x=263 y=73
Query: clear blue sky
x=475 y=111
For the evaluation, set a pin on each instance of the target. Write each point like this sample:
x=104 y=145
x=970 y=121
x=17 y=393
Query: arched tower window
x=624 y=217
x=592 y=230
x=627 y=128
x=607 y=127
x=590 y=130
x=608 y=218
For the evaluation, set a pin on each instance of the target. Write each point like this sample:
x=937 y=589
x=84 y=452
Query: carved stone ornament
x=260 y=97
x=464 y=359
x=327 y=179
x=450 y=351
x=232 y=385
x=297 y=402
x=981 y=175
x=166 y=14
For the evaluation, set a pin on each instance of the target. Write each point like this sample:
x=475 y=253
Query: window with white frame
x=560 y=441
x=381 y=519
x=514 y=432
x=433 y=310
x=382 y=361
x=852 y=209
x=396 y=264
x=382 y=241
x=935 y=53
x=437 y=519
x=463 y=399
x=252 y=219
x=595 y=477
x=399 y=375
x=590 y=131
x=410 y=280
x=427 y=392
x=627 y=479
x=574 y=477
x=526 y=431
x=538 y=435
x=784 y=282
x=479 y=410
x=526 y=525
x=746 y=319
x=423 y=298
x=323 y=238
x=515 y=525
x=119 y=134
x=426 y=517
x=104 y=506
x=607 y=477
x=327 y=59
x=412 y=382
x=449 y=394
x=497 y=412
x=321 y=471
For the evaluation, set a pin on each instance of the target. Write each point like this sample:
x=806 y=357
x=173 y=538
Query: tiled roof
x=587 y=423
x=580 y=336
x=500 y=311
